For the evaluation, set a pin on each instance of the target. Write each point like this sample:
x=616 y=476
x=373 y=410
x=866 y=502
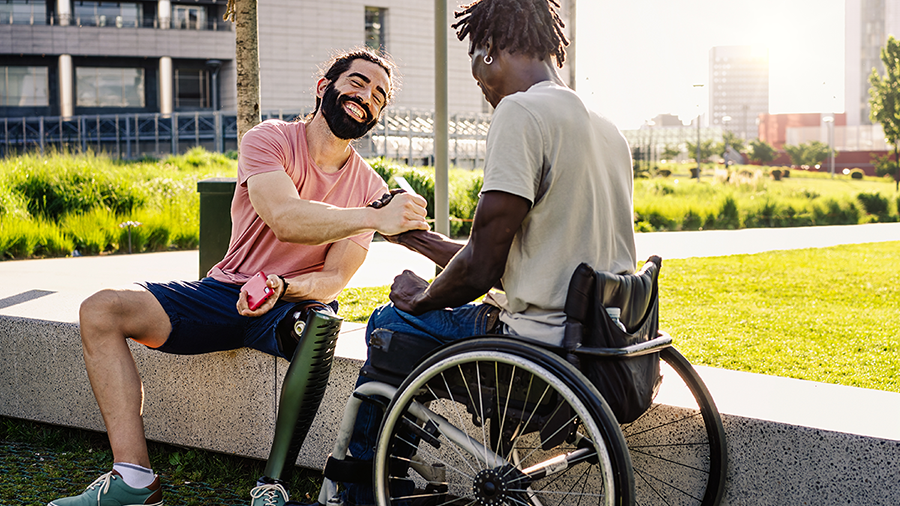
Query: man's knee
x=120 y=313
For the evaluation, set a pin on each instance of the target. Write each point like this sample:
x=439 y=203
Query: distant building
x=739 y=88
x=856 y=146
x=83 y=57
x=868 y=25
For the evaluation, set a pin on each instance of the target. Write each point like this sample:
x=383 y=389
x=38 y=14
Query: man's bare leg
x=107 y=319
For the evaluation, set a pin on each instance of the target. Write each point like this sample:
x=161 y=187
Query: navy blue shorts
x=205 y=319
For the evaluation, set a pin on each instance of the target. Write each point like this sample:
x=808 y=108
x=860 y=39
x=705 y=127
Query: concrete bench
x=790 y=441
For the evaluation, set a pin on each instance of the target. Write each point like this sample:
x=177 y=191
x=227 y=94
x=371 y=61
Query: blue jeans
x=442 y=326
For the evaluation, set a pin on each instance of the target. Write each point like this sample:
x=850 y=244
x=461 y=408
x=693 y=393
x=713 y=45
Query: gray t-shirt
x=574 y=166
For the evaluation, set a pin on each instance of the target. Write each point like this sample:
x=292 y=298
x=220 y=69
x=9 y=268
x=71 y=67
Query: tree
x=670 y=152
x=707 y=149
x=244 y=15
x=811 y=153
x=884 y=166
x=762 y=151
x=732 y=140
x=884 y=99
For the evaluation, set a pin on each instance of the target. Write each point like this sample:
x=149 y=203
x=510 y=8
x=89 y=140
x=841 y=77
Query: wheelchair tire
x=678 y=454
x=533 y=430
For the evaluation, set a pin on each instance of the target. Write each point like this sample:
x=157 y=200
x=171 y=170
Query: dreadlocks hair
x=530 y=27
x=341 y=62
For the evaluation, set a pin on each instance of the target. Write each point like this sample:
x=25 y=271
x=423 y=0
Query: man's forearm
x=316 y=223
x=319 y=286
x=432 y=245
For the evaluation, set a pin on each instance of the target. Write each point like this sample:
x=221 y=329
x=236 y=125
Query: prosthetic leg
x=312 y=331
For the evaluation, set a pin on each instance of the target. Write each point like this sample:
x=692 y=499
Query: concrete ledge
x=791 y=442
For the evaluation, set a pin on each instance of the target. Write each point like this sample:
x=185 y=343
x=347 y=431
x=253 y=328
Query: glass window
x=189 y=17
x=118 y=14
x=24 y=87
x=192 y=89
x=375 y=28
x=23 y=12
x=109 y=87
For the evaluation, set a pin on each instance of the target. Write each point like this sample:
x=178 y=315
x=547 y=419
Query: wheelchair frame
x=620 y=452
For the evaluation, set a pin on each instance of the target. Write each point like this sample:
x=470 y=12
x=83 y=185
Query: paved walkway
x=52 y=289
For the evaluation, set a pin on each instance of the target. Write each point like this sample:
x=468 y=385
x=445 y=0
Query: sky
x=637 y=59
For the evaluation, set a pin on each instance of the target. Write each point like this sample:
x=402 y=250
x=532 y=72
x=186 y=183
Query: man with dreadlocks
x=300 y=215
x=557 y=192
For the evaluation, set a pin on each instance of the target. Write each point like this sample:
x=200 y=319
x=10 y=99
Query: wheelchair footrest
x=349 y=470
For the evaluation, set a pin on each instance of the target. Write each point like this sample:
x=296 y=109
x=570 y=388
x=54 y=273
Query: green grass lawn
x=828 y=315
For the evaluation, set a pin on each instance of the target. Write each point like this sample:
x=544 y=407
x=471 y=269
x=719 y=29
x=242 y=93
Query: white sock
x=133 y=475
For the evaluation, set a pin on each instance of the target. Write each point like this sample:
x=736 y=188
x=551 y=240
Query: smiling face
x=353 y=103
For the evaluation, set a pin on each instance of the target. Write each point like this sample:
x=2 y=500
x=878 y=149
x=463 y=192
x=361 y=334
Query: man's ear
x=320 y=87
x=489 y=46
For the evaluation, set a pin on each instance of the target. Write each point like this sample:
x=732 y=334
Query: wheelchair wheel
x=678 y=451
x=495 y=422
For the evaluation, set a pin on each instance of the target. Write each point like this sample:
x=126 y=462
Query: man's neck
x=526 y=71
x=327 y=151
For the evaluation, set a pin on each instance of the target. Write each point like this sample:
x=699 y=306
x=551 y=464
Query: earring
x=488 y=59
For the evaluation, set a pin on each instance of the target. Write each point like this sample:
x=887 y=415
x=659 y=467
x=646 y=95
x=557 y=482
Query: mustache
x=365 y=110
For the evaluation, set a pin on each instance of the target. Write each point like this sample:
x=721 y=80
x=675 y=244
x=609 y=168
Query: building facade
x=739 y=91
x=868 y=24
x=64 y=58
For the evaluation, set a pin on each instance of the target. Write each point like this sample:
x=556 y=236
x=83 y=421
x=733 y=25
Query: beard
x=343 y=125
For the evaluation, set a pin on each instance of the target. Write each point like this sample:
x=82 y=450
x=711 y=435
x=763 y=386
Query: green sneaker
x=269 y=494
x=111 y=490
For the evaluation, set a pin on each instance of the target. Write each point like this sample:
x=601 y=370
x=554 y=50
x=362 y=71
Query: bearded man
x=300 y=214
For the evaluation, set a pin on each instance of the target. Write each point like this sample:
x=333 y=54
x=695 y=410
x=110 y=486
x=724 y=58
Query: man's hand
x=403 y=212
x=406 y=289
x=275 y=284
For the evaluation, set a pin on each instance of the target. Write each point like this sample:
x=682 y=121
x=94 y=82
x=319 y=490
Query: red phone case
x=257 y=290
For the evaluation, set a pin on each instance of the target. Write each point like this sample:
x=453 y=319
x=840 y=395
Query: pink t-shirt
x=279 y=145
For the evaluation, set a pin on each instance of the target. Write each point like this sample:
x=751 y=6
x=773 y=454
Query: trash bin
x=215 y=219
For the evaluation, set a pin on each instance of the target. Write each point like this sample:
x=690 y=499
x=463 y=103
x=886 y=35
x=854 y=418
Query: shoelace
x=102 y=482
x=269 y=491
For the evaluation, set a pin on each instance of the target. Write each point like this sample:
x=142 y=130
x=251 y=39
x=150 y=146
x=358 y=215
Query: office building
x=868 y=25
x=739 y=88
x=64 y=58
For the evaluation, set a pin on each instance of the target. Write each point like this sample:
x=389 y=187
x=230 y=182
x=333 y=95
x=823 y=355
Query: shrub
x=729 y=217
x=830 y=211
x=874 y=203
x=785 y=172
x=93 y=232
x=664 y=173
x=776 y=174
x=385 y=168
x=857 y=173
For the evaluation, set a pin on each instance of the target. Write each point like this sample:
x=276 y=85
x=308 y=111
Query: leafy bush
x=729 y=217
x=831 y=211
x=857 y=173
x=874 y=203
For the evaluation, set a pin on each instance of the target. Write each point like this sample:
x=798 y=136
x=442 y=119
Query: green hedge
x=75 y=204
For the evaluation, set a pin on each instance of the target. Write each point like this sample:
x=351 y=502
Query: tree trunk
x=247 y=59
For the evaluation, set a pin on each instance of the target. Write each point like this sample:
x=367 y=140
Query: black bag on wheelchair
x=628 y=384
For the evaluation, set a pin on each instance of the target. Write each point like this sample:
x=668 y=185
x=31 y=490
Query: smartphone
x=404 y=184
x=257 y=290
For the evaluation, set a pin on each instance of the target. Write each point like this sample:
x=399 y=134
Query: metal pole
x=409 y=136
x=441 y=156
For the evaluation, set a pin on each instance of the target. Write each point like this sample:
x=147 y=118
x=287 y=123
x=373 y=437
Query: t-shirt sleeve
x=514 y=157
x=263 y=149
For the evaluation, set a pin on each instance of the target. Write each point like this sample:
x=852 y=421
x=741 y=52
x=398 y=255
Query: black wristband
x=283 y=290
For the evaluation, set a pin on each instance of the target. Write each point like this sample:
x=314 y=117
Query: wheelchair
x=508 y=420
